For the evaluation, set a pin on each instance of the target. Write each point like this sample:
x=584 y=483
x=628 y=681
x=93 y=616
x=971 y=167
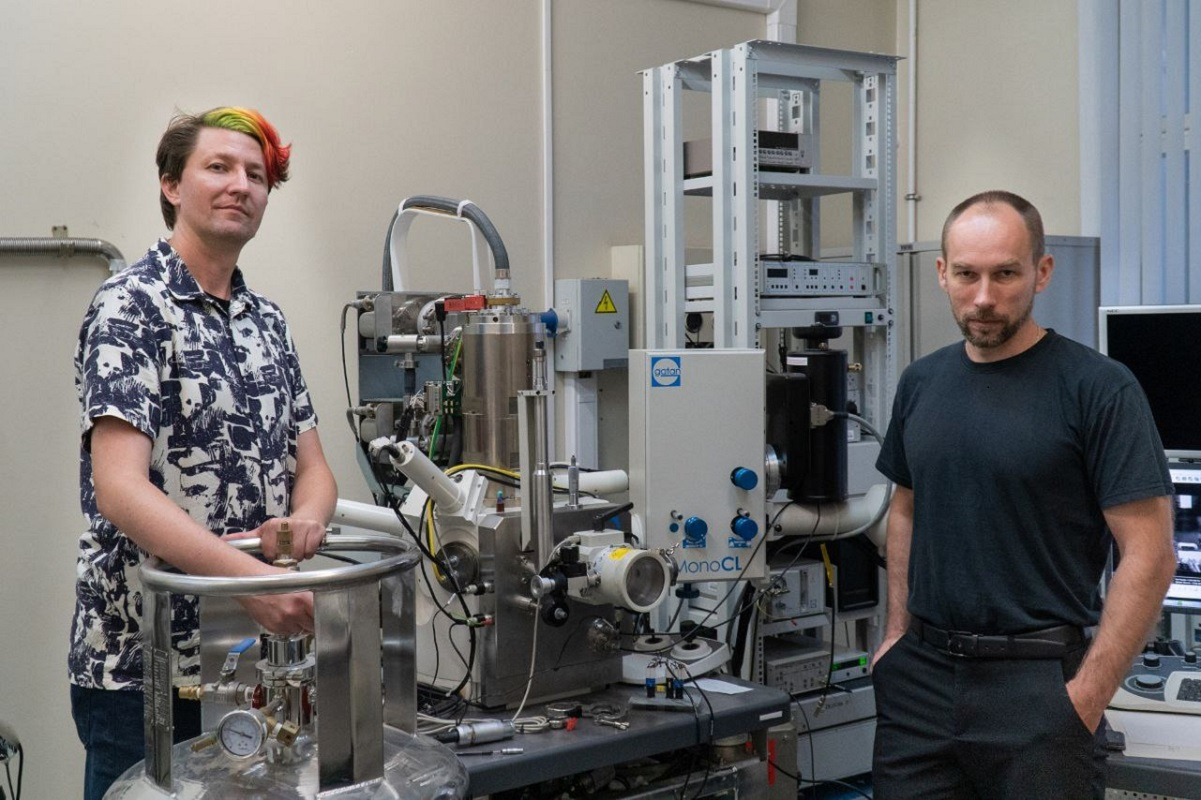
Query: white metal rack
x=781 y=85
x=739 y=81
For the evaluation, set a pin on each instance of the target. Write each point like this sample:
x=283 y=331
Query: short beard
x=1000 y=337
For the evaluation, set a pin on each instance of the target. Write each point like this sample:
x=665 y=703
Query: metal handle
x=348 y=610
x=158 y=579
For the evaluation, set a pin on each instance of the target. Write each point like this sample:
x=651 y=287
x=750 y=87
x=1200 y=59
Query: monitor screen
x=1185 y=591
x=1162 y=347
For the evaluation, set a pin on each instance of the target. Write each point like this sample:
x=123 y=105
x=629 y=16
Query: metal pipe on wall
x=62 y=248
x=911 y=195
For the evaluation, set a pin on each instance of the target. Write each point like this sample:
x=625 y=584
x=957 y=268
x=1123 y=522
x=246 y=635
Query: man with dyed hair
x=196 y=426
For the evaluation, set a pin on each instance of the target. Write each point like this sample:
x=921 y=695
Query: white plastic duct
x=781 y=15
x=354 y=514
x=601 y=482
x=399 y=251
x=860 y=514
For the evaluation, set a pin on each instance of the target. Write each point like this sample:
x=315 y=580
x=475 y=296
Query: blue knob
x=695 y=528
x=745 y=528
x=550 y=321
x=744 y=478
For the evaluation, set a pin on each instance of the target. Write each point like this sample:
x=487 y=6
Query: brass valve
x=283 y=545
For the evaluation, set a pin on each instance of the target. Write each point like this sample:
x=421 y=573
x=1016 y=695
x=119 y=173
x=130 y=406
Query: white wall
x=382 y=101
x=996 y=107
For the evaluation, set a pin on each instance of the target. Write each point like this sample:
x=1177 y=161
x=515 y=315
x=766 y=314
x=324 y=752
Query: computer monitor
x=1185 y=591
x=1162 y=347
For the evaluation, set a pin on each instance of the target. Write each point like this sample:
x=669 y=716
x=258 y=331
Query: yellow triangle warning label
x=605 y=306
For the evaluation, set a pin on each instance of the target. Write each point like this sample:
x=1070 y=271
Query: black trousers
x=979 y=728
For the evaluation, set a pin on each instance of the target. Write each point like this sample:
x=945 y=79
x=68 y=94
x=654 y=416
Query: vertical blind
x=1140 y=70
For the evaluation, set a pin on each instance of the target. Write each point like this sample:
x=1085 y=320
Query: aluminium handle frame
x=350 y=605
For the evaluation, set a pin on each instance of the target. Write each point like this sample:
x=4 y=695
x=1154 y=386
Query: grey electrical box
x=595 y=315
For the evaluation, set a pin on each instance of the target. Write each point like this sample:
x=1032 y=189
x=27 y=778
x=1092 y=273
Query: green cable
x=450 y=374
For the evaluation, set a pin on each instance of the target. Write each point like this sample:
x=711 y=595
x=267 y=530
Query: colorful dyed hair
x=179 y=141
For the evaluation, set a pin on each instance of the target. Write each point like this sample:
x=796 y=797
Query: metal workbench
x=558 y=753
x=1154 y=777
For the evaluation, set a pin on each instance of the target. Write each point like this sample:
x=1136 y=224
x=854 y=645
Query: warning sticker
x=605 y=306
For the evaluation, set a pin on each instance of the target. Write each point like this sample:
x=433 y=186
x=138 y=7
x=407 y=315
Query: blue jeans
x=110 y=725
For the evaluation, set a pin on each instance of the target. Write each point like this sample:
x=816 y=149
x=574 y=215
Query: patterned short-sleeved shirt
x=220 y=394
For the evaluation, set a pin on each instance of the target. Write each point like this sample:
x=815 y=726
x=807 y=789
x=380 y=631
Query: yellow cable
x=429 y=505
x=829 y=566
x=508 y=473
x=429 y=535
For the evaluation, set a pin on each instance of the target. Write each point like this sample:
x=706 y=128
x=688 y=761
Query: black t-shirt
x=1011 y=465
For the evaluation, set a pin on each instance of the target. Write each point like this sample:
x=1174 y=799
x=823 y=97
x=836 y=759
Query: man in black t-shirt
x=1019 y=456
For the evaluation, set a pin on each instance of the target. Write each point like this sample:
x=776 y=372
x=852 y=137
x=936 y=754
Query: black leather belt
x=1048 y=643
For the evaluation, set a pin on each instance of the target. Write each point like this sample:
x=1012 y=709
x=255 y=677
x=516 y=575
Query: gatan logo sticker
x=665 y=371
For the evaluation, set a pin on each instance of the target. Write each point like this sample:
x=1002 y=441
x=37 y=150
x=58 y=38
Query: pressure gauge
x=242 y=733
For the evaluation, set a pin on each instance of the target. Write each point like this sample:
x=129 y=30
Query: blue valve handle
x=244 y=645
x=231 y=659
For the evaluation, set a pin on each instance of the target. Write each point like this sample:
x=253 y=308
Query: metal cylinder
x=483 y=731
x=497 y=355
x=539 y=489
x=286 y=651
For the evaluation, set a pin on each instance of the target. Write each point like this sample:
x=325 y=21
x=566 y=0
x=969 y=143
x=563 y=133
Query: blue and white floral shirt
x=220 y=394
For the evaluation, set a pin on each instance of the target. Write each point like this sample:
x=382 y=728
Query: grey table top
x=557 y=753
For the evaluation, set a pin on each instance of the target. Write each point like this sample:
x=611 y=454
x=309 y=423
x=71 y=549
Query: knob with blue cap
x=744 y=528
x=744 y=478
x=695 y=529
